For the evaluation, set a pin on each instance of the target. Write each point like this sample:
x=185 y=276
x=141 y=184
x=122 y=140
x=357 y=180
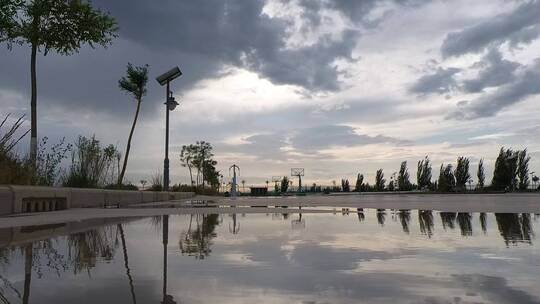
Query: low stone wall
x=20 y=199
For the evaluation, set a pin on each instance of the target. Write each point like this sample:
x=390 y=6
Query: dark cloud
x=517 y=27
x=236 y=33
x=358 y=12
x=525 y=84
x=495 y=289
x=202 y=37
x=441 y=81
x=495 y=71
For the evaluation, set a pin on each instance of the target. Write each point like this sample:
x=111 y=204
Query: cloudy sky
x=335 y=86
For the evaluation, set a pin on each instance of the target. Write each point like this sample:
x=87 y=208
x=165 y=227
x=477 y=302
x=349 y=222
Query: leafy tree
x=211 y=175
x=391 y=186
x=403 y=178
x=345 y=187
x=535 y=180
x=523 y=169
x=480 y=174
x=133 y=83
x=462 y=173
x=284 y=184
x=203 y=154
x=61 y=26
x=188 y=155
x=446 y=182
x=379 y=180
x=504 y=174
x=423 y=174
x=359 y=182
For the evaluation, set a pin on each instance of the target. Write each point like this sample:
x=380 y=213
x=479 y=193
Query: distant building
x=259 y=191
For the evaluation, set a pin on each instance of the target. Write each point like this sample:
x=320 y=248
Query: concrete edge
x=14 y=199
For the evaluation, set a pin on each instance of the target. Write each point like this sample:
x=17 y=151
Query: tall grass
x=89 y=164
x=15 y=169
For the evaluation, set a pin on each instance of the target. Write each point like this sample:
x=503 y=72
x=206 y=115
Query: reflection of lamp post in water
x=28 y=255
x=167 y=299
x=235 y=228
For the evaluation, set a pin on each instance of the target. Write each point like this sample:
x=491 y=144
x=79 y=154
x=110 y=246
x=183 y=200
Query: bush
x=89 y=164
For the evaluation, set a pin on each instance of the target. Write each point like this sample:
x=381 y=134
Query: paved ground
x=502 y=203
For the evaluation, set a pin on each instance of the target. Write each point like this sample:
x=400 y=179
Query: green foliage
x=15 y=170
x=359 y=182
x=48 y=162
x=199 y=156
x=89 y=163
x=62 y=26
x=135 y=81
x=8 y=17
x=284 y=184
x=504 y=174
x=480 y=174
x=462 y=173
x=345 y=186
x=423 y=174
x=447 y=181
x=391 y=186
x=379 y=180
x=157 y=182
x=403 y=178
x=523 y=169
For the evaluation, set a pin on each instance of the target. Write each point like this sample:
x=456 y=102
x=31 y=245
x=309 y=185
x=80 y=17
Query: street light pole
x=166 y=160
x=170 y=104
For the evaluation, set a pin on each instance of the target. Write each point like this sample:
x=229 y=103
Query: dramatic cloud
x=442 y=81
x=328 y=85
x=516 y=27
x=495 y=71
x=235 y=33
x=525 y=85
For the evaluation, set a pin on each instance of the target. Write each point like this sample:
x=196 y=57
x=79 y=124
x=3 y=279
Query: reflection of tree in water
x=361 y=216
x=197 y=242
x=425 y=219
x=448 y=220
x=465 y=225
x=381 y=216
x=515 y=228
x=405 y=218
x=85 y=248
x=483 y=222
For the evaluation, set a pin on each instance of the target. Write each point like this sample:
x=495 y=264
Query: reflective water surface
x=369 y=256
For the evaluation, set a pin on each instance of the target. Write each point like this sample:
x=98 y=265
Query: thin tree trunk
x=121 y=176
x=190 y=175
x=126 y=264
x=33 y=107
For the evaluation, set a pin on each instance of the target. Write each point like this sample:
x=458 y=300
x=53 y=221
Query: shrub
x=89 y=164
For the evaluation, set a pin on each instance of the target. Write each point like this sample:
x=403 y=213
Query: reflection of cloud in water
x=334 y=260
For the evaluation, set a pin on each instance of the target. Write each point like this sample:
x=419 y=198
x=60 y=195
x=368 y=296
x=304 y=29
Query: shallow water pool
x=375 y=256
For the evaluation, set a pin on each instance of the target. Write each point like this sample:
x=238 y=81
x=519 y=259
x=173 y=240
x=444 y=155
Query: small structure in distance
x=298 y=172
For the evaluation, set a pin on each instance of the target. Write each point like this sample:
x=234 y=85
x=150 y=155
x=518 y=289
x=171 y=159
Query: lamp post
x=170 y=105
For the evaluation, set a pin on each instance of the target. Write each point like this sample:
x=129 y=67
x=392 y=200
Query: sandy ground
x=500 y=203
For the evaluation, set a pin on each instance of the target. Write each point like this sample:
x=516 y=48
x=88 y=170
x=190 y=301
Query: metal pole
x=166 y=161
x=165 y=224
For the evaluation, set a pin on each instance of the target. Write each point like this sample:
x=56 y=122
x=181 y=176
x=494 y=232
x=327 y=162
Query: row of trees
x=511 y=173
